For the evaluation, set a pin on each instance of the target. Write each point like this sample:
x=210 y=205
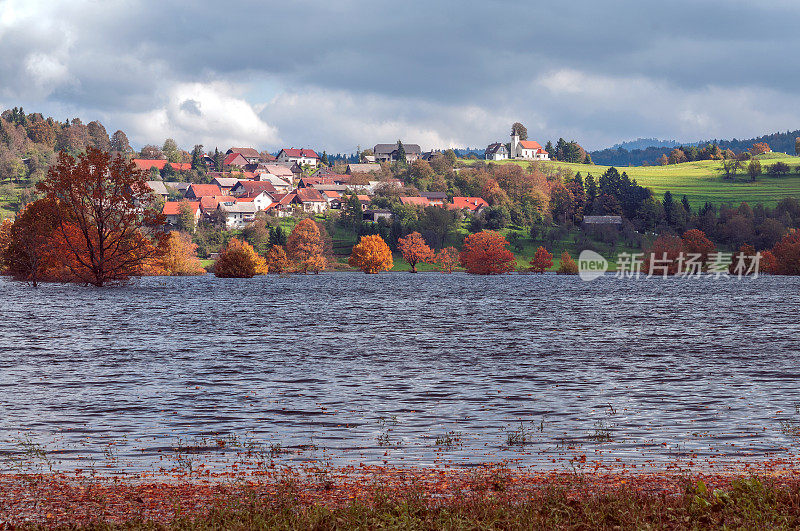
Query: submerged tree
x=542 y=260
x=305 y=247
x=239 y=260
x=104 y=209
x=485 y=253
x=415 y=250
x=371 y=255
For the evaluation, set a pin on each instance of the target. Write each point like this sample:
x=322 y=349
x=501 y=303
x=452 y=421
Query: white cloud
x=212 y=114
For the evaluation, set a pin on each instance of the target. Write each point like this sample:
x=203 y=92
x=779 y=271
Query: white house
x=527 y=149
x=237 y=215
x=496 y=151
x=262 y=200
x=300 y=156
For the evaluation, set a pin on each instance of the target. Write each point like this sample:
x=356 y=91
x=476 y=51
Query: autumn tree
x=787 y=254
x=567 y=265
x=239 y=260
x=485 y=253
x=277 y=261
x=105 y=207
x=541 y=261
x=758 y=148
x=151 y=152
x=119 y=142
x=98 y=137
x=415 y=250
x=695 y=242
x=30 y=253
x=177 y=257
x=5 y=240
x=662 y=257
x=446 y=259
x=305 y=247
x=371 y=255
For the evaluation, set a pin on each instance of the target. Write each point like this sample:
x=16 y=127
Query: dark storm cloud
x=498 y=56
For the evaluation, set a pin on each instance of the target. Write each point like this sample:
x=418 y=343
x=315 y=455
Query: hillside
x=701 y=181
x=635 y=153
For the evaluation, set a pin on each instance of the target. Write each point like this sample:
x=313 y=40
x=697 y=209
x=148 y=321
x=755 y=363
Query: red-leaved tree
x=105 y=211
x=485 y=253
x=415 y=250
x=542 y=260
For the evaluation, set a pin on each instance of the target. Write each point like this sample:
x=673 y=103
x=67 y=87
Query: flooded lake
x=398 y=368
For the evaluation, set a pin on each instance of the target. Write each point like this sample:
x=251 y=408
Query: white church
x=520 y=149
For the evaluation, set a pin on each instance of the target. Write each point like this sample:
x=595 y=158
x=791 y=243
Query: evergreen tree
x=561 y=149
x=197 y=158
x=219 y=159
x=591 y=192
x=669 y=207
x=550 y=150
x=277 y=236
x=401 y=153
x=686 y=205
x=324 y=158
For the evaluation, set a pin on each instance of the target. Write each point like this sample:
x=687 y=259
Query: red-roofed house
x=172 y=210
x=422 y=201
x=146 y=164
x=248 y=188
x=251 y=155
x=234 y=160
x=311 y=200
x=473 y=204
x=196 y=191
x=300 y=156
x=282 y=204
x=209 y=203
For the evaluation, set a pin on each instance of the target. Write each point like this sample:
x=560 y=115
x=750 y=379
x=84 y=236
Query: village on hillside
x=297 y=181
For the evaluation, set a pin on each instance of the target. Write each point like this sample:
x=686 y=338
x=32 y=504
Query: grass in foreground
x=491 y=499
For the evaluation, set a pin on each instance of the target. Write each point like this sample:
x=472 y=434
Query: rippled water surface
x=399 y=368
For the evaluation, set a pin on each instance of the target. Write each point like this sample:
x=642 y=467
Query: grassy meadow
x=702 y=181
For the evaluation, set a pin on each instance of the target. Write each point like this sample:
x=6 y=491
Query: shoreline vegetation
x=492 y=496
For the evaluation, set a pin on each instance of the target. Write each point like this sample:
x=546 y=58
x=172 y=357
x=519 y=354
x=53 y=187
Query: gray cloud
x=332 y=74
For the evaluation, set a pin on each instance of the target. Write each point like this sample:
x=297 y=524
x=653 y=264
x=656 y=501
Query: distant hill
x=644 y=143
x=620 y=155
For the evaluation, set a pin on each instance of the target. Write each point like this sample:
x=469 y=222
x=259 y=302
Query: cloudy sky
x=335 y=74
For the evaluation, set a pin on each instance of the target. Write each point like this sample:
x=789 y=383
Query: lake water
x=350 y=368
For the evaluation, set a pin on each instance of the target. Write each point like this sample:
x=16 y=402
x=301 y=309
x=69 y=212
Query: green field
x=702 y=181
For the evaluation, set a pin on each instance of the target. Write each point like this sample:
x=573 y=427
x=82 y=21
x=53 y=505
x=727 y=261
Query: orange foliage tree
x=5 y=240
x=371 y=255
x=542 y=260
x=567 y=265
x=696 y=242
x=30 y=254
x=239 y=260
x=758 y=148
x=446 y=259
x=415 y=250
x=104 y=207
x=277 y=262
x=305 y=247
x=178 y=257
x=485 y=253
x=787 y=254
x=663 y=255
